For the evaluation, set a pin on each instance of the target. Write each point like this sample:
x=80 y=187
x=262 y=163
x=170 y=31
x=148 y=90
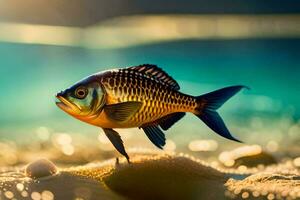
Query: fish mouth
x=64 y=104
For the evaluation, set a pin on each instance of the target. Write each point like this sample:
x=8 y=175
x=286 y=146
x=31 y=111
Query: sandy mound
x=150 y=176
x=161 y=177
x=265 y=186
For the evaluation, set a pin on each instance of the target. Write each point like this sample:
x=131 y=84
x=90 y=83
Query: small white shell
x=40 y=168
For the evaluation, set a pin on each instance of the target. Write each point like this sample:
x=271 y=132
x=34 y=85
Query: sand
x=149 y=176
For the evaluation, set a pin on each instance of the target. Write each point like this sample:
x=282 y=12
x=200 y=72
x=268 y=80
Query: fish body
x=141 y=96
x=157 y=100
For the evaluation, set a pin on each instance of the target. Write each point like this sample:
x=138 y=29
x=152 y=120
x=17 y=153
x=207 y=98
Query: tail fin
x=209 y=103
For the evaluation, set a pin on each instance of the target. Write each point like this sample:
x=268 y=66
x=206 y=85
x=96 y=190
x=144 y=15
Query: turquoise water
x=30 y=75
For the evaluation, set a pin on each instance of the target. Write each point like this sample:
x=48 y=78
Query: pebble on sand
x=40 y=168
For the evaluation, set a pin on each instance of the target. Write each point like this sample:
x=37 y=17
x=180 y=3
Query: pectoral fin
x=122 y=111
x=116 y=140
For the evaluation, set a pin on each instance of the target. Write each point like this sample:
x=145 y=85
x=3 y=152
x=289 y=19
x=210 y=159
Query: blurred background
x=46 y=46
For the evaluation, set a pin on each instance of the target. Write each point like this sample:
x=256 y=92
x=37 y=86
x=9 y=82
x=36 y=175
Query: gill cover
x=83 y=100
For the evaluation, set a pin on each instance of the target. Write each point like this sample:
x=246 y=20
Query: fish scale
x=128 y=85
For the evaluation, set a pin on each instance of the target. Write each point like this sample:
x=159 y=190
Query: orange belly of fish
x=104 y=121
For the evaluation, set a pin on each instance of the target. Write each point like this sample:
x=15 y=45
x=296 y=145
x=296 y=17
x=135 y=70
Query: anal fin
x=155 y=135
x=166 y=122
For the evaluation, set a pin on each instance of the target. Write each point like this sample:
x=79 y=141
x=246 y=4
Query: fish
x=142 y=96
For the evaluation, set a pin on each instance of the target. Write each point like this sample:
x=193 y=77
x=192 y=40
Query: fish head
x=83 y=100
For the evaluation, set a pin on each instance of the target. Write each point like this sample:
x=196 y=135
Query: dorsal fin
x=152 y=71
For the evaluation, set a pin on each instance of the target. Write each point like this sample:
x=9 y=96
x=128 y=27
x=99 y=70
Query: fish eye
x=81 y=92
